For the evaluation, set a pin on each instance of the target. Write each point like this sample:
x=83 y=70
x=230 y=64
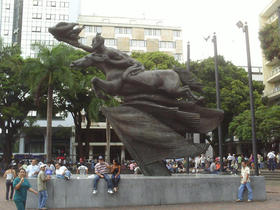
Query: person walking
x=115 y=170
x=245 y=182
x=9 y=174
x=42 y=186
x=271 y=159
x=21 y=186
x=101 y=171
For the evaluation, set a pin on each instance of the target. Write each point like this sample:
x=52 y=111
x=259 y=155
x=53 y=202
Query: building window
x=35 y=3
x=137 y=43
x=32 y=113
x=36 y=29
x=152 y=32
x=178 y=57
x=51 y=3
x=64 y=4
x=168 y=45
x=122 y=30
x=35 y=42
x=50 y=16
x=6 y=32
x=110 y=42
x=7 y=19
x=177 y=33
x=88 y=28
x=7 y=6
x=95 y=29
x=63 y=17
x=36 y=15
x=83 y=40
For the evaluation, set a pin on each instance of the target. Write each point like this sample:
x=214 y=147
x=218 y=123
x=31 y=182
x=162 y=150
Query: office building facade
x=131 y=34
x=26 y=22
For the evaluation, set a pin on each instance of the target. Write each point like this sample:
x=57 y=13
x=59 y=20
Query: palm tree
x=46 y=71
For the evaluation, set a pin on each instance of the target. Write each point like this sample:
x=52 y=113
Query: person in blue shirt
x=21 y=186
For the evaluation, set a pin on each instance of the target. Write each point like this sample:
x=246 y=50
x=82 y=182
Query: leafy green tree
x=15 y=100
x=234 y=89
x=270 y=39
x=267 y=125
x=155 y=60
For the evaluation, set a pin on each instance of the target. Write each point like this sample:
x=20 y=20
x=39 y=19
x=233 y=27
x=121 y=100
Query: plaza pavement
x=272 y=202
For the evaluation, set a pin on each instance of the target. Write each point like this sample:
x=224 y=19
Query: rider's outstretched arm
x=85 y=47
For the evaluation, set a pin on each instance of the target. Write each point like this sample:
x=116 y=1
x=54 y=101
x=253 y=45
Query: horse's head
x=98 y=43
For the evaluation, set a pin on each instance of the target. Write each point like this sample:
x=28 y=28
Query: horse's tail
x=187 y=78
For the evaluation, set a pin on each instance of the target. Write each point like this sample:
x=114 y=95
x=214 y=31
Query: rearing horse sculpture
x=158 y=106
x=126 y=76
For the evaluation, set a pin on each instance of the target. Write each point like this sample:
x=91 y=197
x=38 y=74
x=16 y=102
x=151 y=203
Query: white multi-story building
x=26 y=22
x=271 y=69
x=134 y=34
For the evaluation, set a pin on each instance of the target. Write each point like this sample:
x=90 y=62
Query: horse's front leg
x=102 y=86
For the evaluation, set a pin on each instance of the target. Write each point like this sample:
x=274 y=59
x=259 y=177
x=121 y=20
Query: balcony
x=275 y=94
x=274 y=62
x=275 y=75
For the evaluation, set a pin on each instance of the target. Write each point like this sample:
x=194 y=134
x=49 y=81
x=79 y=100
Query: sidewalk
x=272 y=202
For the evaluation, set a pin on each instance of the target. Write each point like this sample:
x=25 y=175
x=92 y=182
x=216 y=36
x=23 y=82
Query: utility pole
x=218 y=101
x=252 y=106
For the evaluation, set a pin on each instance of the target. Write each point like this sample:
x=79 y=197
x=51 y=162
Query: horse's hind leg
x=185 y=91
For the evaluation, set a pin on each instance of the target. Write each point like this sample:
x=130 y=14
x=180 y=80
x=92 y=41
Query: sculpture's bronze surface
x=158 y=107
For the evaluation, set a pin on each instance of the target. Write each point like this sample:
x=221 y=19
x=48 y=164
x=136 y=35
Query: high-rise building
x=6 y=20
x=133 y=34
x=271 y=69
x=26 y=22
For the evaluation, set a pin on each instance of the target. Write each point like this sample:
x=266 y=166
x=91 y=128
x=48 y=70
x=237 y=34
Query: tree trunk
x=108 y=141
x=49 y=119
x=7 y=153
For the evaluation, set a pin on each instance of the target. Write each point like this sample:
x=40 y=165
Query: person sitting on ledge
x=62 y=172
x=115 y=170
x=102 y=170
x=82 y=169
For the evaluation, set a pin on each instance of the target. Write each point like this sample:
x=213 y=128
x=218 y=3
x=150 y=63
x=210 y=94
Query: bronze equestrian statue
x=158 y=107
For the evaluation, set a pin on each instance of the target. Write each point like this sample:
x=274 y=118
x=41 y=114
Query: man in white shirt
x=62 y=172
x=230 y=158
x=82 y=169
x=271 y=160
x=33 y=169
x=202 y=161
x=245 y=182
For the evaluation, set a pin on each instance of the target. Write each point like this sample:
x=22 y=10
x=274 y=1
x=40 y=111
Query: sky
x=198 y=19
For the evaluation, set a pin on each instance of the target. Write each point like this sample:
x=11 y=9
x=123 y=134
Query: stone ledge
x=143 y=190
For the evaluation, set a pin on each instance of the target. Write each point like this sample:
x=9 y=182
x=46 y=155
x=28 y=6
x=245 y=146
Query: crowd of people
x=18 y=172
x=231 y=163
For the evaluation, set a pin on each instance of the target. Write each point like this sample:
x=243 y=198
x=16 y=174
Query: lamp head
x=239 y=24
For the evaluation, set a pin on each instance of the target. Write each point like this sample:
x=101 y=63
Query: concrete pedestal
x=142 y=190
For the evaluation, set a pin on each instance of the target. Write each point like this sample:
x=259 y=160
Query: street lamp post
x=254 y=142
x=188 y=68
x=218 y=101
